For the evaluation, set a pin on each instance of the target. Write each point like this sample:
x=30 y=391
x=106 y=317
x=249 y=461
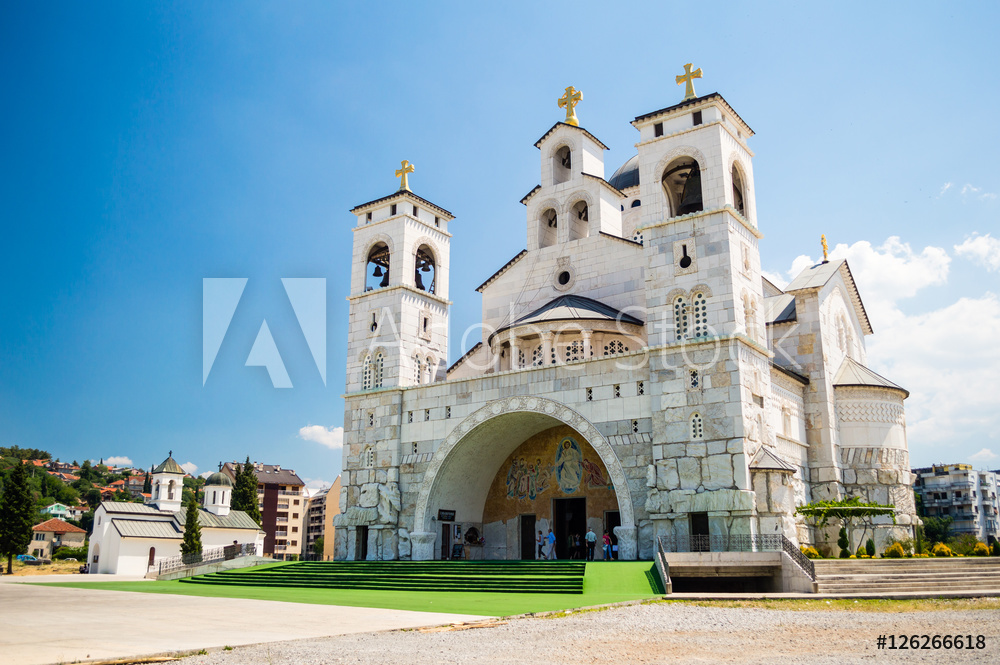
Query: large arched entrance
x=457 y=484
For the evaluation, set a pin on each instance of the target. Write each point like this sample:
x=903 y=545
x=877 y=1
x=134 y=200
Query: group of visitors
x=546 y=546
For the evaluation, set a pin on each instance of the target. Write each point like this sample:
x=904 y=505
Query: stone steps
x=926 y=576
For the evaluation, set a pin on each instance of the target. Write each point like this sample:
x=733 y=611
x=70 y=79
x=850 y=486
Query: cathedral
x=637 y=375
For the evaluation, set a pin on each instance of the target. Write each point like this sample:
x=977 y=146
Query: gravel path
x=653 y=633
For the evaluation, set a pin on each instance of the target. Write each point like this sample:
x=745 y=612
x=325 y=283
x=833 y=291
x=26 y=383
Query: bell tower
x=398 y=331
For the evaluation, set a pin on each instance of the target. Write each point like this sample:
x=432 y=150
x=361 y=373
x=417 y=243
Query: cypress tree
x=192 y=530
x=17 y=510
x=147 y=485
x=245 y=491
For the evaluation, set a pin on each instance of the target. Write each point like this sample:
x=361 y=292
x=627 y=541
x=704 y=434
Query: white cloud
x=205 y=474
x=982 y=250
x=775 y=278
x=978 y=192
x=313 y=485
x=190 y=467
x=984 y=455
x=944 y=188
x=969 y=189
x=332 y=438
x=118 y=460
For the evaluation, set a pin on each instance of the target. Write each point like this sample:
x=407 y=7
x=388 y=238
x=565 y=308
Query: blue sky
x=147 y=146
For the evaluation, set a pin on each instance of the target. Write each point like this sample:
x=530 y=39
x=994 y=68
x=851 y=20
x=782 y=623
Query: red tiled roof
x=58 y=526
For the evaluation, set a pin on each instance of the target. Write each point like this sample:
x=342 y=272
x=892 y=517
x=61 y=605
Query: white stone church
x=636 y=373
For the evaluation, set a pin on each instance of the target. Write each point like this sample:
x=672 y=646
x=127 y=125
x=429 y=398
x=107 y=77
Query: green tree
x=192 y=530
x=147 y=485
x=245 y=491
x=318 y=547
x=17 y=508
x=93 y=498
x=937 y=529
x=844 y=544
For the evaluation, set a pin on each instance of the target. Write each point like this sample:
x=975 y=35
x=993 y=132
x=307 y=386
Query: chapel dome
x=218 y=478
x=627 y=175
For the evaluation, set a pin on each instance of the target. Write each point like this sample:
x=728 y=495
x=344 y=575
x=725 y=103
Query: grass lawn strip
x=604 y=583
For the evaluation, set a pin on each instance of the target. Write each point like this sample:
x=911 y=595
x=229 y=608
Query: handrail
x=663 y=568
x=804 y=562
x=740 y=542
x=170 y=564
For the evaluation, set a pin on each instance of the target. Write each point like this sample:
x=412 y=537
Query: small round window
x=564 y=278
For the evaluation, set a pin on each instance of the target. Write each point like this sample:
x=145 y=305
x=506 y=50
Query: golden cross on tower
x=569 y=100
x=688 y=77
x=404 y=184
x=826 y=248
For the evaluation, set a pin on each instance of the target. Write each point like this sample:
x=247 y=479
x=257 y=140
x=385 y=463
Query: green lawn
x=604 y=582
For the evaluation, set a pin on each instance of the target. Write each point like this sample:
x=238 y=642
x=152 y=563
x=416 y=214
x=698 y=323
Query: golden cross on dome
x=569 y=100
x=404 y=184
x=688 y=78
x=826 y=248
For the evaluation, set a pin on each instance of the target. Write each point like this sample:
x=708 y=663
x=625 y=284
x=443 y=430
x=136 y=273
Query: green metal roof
x=169 y=466
x=147 y=528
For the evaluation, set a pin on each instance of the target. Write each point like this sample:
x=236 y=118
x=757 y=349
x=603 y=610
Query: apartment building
x=282 y=509
x=322 y=508
x=966 y=495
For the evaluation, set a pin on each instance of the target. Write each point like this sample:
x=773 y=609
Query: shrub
x=980 y=550
x=810 y=552
x=862 y=551
x=995 y=548
x=79 y=553
x=895 y=551
x=870 y=547
x=940 y=549
x=963 y=543
x=844 y=543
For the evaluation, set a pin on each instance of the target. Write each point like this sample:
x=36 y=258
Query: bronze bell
x=378 y=272
x=385 y=281
x=420 y=282
x=691 y=198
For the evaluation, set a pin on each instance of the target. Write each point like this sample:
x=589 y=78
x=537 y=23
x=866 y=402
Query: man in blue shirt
x=552 y=545
x=591 y=542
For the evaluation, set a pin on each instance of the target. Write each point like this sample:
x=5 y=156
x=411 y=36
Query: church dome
x=169 y=466
x=218 y=478
x=627 y=175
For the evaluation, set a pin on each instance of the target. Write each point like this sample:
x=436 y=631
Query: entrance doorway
x=152 y=557
x=361 y=544
x=612 y=518
x=570 y=518
x=528 y=548
x=445 y=541
x=699 y=532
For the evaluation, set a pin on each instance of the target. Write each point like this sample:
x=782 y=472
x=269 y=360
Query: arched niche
x=579 y=220
x=548 y=224
x=425 y=269
x=681 y=182
x=738 y=190
x=377 y=267
x=562 y=164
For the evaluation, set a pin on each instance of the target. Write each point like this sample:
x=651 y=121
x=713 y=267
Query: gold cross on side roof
x=569 y=100
x=688 y=77
x=826 y=248
x=404 y=184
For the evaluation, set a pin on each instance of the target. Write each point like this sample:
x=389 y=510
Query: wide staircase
x=923 y=576
x=468 y=576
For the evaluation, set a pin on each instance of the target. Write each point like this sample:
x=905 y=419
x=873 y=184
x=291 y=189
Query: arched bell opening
x=682 y=187
x=548 y=224
x=562 y=165
x=377 y=267
x=738 y=191
x=579 y=221
x=425 y=269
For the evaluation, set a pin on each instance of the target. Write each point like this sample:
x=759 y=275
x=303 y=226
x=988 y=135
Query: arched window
x=547 y=228
x=430 y=367
x=681 y=321
x=377 y=370
x=562 y=165
x=369 y=457
x=537 y=359
x=418 y=370
x=214 y=496
x=636 y=203
x=738 y=191
x=377 y=267
x=699 y=314
x=579 y=226
x=615 y=347
x=366 y=373
x=170 y=490
x=697 y=427
x=425 y=269
x=520 y=358
x=574 y=351
x=682 y=186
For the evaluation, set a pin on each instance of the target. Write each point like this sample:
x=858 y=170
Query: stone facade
x=637 y=319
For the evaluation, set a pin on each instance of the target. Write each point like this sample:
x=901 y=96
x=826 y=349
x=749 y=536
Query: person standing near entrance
x=552 y=546
x=607 y=546
x=591 y=542
x=539 y=544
